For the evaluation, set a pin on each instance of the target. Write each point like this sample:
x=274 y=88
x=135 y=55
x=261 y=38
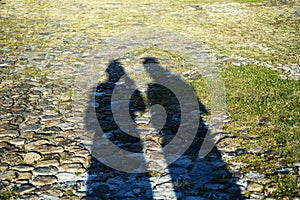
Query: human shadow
x=103 y=181
x=191 y=176
x=188 y=177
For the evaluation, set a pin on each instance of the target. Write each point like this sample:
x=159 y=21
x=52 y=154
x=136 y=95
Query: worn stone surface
x=45 y=170
x=23 y=167
x=25 y=188
x=46 y=163
x=71 y=167
x=255 y=187
x=31 y=157
x=24 y=175
x=42 y=154
x=49 y=149
x=42 y=180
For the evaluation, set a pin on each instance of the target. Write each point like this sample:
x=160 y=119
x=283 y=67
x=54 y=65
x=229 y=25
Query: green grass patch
x=201 y=91
x=267 y=107
x=287 y=186
x=8 y=194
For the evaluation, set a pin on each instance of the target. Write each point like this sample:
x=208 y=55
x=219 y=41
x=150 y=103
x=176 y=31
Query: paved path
x=47 y=45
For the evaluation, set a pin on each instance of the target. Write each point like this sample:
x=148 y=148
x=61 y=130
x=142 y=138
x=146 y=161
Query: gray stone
x=255 y=187
x=21 y=181
x=254 y=176
x=23 y=167
x=3 y=167
x=9 y=133
x=75 y=159
x=255 y=149
x=46 y=163
x=12 y=158
x=32 y=127
x=42 y=180
x=24 y=175
x=66 y=126
x=200 y=166
x=49 y=149
x=297 y=164
x=52 y=129
x=284 y=170
x=51 y=170
x=17 y=141
x=94 y=104
x=8 y=175
x=66 y=176
x=34 y=144
x=71 y=167
x=29 y=196
x=82 y=153
x=25 y=188
x=31 y=157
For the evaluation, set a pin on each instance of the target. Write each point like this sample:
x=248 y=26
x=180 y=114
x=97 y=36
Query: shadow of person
x=191 y=176
x=105 y=182
x=187 y=177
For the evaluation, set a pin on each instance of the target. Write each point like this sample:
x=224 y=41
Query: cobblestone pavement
x=42 y=156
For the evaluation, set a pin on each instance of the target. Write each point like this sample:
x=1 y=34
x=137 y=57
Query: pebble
x=66 y=126
x=23 y=167
x=71 y=167
x=49 y=149
x=45 y=170
x=254 y=176
x=12 y=159
x=36 y=143
x=29 y=196
x=42 y=180
x=31 y=157
x=17 y=141
x=3 y=167
x=66 y=176
x=25 y=188
x=9 y=133
x=297 y=164
x=24 y=175
x=255 y=187
x=8 y=175
x=45 y=163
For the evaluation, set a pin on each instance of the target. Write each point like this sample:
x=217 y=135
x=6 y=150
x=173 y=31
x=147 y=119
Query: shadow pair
x=190 y=176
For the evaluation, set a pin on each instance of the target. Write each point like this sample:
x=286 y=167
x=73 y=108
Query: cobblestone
x=43 y=157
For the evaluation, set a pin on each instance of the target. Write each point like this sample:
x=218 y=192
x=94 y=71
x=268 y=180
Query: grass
x=266 y=106
x=77 y=173
x=287 y=186
x=8 y=194
x=201 y=91
x=155 y=174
